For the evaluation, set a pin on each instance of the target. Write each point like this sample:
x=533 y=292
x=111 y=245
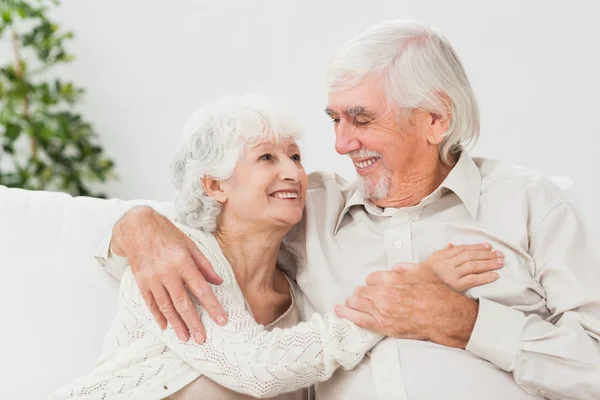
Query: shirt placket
x=387 y=371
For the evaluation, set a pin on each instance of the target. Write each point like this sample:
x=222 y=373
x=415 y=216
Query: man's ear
x=439 y=123
x=213 y=188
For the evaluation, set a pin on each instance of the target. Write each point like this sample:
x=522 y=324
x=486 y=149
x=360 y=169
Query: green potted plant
x=45 y=144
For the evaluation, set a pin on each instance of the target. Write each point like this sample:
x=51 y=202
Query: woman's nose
x=289 y=170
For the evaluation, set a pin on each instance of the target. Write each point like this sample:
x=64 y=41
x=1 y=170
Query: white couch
x=56 y=301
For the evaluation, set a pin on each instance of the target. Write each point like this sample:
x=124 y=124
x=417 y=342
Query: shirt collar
x=464 y=180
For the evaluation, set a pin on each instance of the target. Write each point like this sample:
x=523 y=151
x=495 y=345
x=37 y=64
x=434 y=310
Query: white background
x=147 y=65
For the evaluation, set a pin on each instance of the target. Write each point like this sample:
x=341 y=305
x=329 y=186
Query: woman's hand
x=460 y=267
x=422 y=301
x=165 y=261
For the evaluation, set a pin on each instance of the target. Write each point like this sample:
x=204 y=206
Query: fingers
x=153 y=306
x=479 y=266
x=474 y=256
x=368 y=292
x=359 y=318
x=360 y=304
x=403 y=267
x=166 y=307
x=184 y=306
x=455 y=250
x=198 y=282
x=471 y=281
x=205 y=295
x=204 y=265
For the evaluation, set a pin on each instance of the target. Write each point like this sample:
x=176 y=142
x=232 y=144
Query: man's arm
x=557 y=357
x=165 y=261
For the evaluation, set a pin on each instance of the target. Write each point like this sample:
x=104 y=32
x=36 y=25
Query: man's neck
x=411 y=186
x=252 y=255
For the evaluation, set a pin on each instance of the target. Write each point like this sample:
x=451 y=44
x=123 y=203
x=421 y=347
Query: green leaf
x=7 y=17
x=12 y=131
x=8 y=148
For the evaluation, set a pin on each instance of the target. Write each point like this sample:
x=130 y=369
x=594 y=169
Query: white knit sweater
x=140 y=361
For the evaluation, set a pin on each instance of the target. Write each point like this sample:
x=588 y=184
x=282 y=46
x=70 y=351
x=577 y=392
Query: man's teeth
x=366 y=163
x=285 y=195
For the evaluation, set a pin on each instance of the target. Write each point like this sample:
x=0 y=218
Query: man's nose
x=345 y=140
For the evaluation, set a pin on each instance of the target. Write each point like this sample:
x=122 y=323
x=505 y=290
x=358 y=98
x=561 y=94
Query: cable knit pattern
x=141 y=361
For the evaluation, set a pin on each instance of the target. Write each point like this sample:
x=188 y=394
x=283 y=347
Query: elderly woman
x=241 y=188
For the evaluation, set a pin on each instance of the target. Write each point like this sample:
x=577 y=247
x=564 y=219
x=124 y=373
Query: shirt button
x=398 y=244
x=387 y=376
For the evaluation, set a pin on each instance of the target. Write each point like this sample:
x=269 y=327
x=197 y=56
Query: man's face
x=370 y=131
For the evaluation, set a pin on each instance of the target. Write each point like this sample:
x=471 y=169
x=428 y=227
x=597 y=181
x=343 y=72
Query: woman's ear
x=213 y=188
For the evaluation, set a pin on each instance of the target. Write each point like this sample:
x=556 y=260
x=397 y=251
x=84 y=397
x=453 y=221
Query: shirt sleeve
x=557 y=357
x=245 y=357
x=112 y=263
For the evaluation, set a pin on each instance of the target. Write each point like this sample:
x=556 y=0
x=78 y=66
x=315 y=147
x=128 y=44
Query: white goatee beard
x=372 y=190
x=377 y=190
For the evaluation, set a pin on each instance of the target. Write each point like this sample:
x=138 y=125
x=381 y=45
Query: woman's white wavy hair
x=214 y=139
x=418 y=66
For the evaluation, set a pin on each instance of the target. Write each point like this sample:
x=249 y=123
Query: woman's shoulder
x=194 y=233
x=209 y=247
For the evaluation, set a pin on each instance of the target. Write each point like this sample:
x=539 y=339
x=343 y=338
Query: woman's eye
x=296 y=157
x=266 y=157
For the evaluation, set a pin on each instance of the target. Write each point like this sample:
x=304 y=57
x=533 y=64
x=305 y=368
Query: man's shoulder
x=321 y=180
x=329 y=184
x=510 y=178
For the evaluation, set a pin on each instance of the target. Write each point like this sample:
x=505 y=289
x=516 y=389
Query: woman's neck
x=252 y=255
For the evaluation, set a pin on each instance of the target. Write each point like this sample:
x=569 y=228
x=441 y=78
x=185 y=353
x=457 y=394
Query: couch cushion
x=57 y=301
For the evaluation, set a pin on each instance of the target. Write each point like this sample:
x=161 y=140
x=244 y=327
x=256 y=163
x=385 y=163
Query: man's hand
x=164 y=262
x=421 y=301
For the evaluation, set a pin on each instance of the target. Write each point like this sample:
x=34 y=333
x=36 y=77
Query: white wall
x=535 y=66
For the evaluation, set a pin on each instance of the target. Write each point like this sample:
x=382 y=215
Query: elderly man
x=404 y=111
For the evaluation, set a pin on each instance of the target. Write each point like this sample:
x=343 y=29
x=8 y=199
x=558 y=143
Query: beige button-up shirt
x=538 y=328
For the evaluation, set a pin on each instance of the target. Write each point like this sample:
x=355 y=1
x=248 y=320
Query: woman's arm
x=245 y=357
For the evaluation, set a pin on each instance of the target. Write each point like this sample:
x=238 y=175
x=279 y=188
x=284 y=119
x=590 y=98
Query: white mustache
x=364 y=153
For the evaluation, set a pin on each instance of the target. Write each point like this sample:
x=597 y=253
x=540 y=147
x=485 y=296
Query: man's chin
x=372 y=189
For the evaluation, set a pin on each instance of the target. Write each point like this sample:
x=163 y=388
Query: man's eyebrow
x=355 y=111
x=352 y=111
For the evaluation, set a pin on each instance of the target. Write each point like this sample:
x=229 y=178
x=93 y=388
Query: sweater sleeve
x=243 y=356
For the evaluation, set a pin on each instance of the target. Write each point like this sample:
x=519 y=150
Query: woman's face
x=268 y=185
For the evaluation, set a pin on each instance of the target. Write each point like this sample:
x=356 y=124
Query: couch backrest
x=57 y=302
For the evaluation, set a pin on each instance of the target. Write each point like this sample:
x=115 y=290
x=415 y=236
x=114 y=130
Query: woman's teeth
x=285 y=195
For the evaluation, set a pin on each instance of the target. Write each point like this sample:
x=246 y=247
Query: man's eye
x=296 y=157
x=335 y=120
x=266 y=157
x=361 y=123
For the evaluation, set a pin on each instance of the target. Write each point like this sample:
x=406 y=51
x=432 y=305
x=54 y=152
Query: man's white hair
x=418 y=67
x=214 y=139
